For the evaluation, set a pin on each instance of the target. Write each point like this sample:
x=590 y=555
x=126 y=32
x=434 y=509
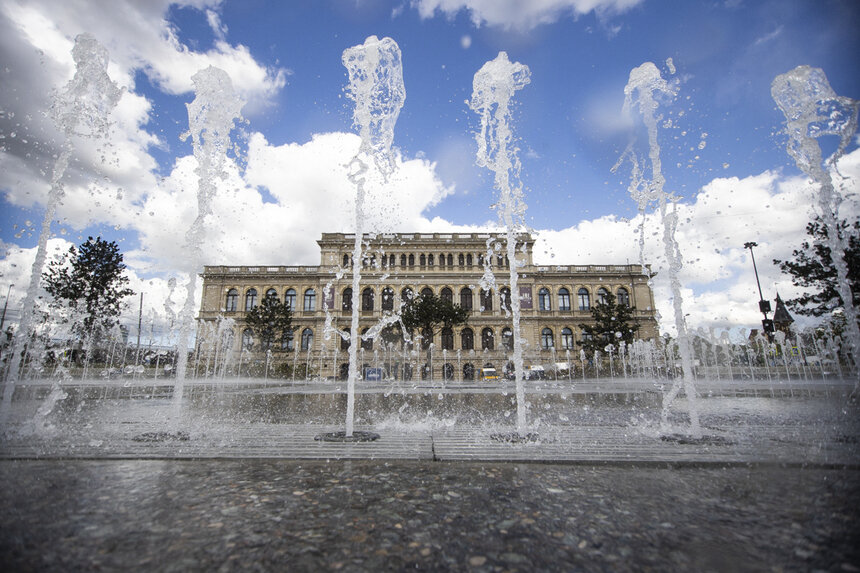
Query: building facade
x=554 y=301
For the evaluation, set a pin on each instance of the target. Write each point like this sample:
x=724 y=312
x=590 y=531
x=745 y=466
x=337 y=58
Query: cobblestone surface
x=262 y=515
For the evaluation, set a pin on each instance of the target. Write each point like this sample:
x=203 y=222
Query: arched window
x=422 y=260
x=411 y=260
x=310 y=300
x=488 y=339
x=307 y=339
x=346 y=301
x=344 y=371
x=272 y=294
x=430 y=260
x=287 y=340
x=461 y=260
x=467 y=339
x=366 y=344
x=566 y=338
x=290 y=298
x=543 y=299
x=367 y=299
x=450 y=260
x=406 y=294
x=583 y=299
x=442 y=260
x=563 y=299
x=391 y=260
x=403 y=260
x=426 y=339
x=623 y=297
x=486 y=300
x=426 y=291
x=507 y=338
x=247 y=339
x=468 y=371
x=345 y=260
x=505 y=298
x=426 y=372
x=345 y=341
x=232 y=300
x=601 y=295
x=546 y=339
x=250 y=299
x=447 y=295
x=586 y=336
x=448 y=371
x=469 y=260
x=447 y=339
x=466 y=298
x=387 y=299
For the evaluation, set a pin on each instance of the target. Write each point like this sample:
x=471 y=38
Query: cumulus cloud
x=511 y=14
x=719 y=284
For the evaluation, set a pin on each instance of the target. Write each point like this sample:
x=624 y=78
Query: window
x=566 y=338
x=406 y=294
x=486 y=300
x=450 y=260
x=442 y=260
x=467 y=339
x=287 y=340
x=272 y=294
x=426 y=339
x=232 y=300
x=448 y=371
x=461 y=260
x=430 y=260
x=250 y=299
x=310 y=300
x=488 y=339
x=583 y=298
x=367 y=299
x=507 y=338
x=391 y=260
x=505 y=298
x=466 y=298
x=601 y=295
x=586 y=336
x=346 y=301
x=469 y=260
x=546 y=339
x=366 y=344
x=468 y=371
x=387 y=299
x=307 y=339
x=290 y=298
x=345 y=342
x=422 y=260
x=447 y=339
x=411 y=260
x=247 y=339
x=447 y=295
x=563 y=299
x=403 y=260
x=427 y=291
x=345 y=260
x=623 y=297
x=543 y=299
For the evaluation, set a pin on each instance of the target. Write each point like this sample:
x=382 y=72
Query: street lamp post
x=763 y=305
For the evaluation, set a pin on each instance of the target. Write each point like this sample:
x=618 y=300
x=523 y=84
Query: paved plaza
x=109 y=479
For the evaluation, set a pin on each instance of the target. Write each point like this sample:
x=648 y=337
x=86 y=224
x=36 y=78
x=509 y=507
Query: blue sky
x=721 y=147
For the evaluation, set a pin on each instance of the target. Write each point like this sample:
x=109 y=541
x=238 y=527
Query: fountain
x=493 y=87
x=813 y=110
x=612 y=407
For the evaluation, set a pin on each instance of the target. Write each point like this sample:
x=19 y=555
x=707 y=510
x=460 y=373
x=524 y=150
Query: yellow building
x=554 y=301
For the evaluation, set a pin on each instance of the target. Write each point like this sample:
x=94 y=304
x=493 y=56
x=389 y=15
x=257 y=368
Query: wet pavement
x=290 y=515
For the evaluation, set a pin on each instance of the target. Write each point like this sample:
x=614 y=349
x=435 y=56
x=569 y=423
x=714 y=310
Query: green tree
x=91 y=281
x=812 y=268
x=613 y=324
x=271 y=320
x=427 y=314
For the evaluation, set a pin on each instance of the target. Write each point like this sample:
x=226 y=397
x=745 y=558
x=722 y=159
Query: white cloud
x=720 y=289
x=520 y=15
